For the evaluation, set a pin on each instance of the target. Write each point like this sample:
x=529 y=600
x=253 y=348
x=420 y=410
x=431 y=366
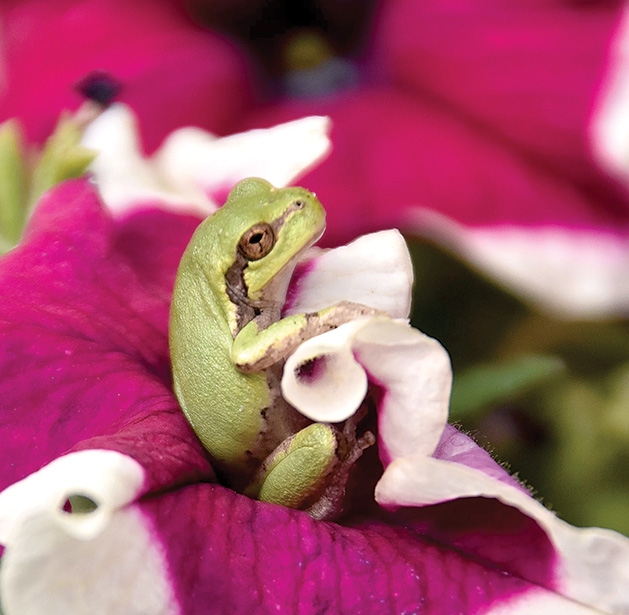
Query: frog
x=229 y=340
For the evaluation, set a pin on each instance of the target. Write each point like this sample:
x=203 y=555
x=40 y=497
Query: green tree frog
x=228 y=345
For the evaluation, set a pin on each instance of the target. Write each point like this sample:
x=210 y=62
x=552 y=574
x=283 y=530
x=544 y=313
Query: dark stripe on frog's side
x=237 y=292
x=236 y=287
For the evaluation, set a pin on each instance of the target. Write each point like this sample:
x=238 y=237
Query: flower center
x=99 y=87
x=306 y=48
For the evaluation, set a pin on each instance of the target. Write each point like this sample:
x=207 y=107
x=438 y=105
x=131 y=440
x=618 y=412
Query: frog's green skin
x=228 y=342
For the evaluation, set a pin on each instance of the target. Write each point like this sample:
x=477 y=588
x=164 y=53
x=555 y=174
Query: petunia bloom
x=125 y=515
x=504 y=117
x=496 y=129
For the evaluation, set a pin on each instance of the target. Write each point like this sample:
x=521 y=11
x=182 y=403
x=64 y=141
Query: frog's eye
x=257 y=242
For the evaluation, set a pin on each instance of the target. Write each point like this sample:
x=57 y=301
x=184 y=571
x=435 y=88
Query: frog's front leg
x=256 y=349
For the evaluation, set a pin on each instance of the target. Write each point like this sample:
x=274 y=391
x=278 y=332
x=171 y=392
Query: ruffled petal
x=204 y=549
x=193 y=170
x=570 y=273
x=593 y=564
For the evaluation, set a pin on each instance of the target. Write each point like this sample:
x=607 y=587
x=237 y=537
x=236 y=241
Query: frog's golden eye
x=257 y=242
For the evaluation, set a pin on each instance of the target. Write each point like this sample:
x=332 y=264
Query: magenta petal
x=528 y=72
x=85 y=364
x=418 y=155
x=487 y=529
x=84 y=345
x=460 y=448
x=280 y=560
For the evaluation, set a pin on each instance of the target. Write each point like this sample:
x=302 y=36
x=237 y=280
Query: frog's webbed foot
x=342 y=312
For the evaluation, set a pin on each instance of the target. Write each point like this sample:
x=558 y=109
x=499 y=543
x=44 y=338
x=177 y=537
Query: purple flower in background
x=492 y=127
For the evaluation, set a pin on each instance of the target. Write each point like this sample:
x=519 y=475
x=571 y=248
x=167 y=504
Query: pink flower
x=88 y=408
x=491 y=127
x=87 y=395
x=487 y=126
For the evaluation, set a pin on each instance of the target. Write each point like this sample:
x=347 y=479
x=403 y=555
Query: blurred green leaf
x=12 y=185
x=589 y=348
x=21 y=185
x=81 y=505
x=479 y=387
x=63 y=158
x=468 y=313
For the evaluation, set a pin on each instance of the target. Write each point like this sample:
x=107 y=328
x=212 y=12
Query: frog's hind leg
x=296 y=473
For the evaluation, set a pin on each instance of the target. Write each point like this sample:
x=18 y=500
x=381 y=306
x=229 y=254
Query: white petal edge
x=567 y=273
x=375 y=270
x=120 y=170
x=594 y=563
x=193 y=164
x=609 y=123
x=539 y=602
x=413 y=369
x=197 y=163
x=102 y=563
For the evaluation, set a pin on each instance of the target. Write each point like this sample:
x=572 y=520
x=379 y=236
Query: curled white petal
x=413 y=369
x=192 y=165
x=594 y=562
x=569 y=273
x=415 y=372
x=322 y=379
x=109 y=479
x=375 y=270
x=105 y=562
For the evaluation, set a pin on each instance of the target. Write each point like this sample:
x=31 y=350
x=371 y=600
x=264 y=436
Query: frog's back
x=212 y=392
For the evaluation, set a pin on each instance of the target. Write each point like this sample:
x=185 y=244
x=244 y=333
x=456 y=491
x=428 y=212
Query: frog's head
x=274 y=226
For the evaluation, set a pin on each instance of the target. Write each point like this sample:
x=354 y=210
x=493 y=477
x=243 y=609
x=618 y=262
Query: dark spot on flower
x=99 y=87
x=311 y=370
x=336 y=32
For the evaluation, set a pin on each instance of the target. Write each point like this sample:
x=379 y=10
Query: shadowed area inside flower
x=88 y=410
